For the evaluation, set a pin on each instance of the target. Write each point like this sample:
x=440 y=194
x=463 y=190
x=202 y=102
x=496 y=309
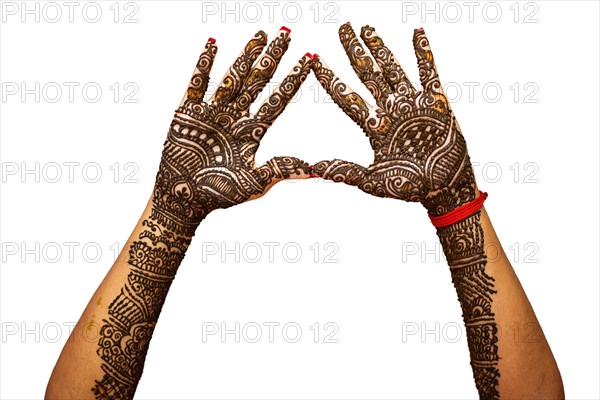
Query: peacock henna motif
x=420 y=155
x=207 y=163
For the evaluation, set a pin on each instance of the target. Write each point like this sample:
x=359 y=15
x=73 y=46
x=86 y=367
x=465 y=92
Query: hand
x=420 y=153
x=208 y=157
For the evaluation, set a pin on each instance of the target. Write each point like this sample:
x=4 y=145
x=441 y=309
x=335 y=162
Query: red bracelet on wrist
x=460 y=213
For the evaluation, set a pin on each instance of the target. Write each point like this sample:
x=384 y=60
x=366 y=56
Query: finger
x=392 y=71
x=274 y=105
x=342 y=171
x=433 y=94
x=368 y=72
x=348 y=100
x=250 y=130
x=199 y=82
x=279 y=168
x=234 y=78
x=264 y=69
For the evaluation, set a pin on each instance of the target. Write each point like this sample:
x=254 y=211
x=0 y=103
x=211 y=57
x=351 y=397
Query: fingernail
x=212 y=40
x=285 y=28
x=315 y=56
x=347 y=23
x=420 y=29
x=309 y=56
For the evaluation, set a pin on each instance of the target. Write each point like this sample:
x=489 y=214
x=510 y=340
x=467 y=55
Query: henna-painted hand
x=208 y=157
x=420 y=154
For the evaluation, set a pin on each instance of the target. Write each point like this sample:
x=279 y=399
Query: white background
x=384 y=285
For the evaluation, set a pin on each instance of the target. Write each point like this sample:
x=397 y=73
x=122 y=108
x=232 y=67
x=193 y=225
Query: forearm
x=105 y=353
x=510 y=356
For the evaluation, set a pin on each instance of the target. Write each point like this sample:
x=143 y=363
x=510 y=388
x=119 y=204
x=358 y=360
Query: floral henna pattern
x=419 y=155
x=207 y=164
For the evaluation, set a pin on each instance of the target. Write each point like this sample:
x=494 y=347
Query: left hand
x=420 y=153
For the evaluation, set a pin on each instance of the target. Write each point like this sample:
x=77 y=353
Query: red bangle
x=459 y=213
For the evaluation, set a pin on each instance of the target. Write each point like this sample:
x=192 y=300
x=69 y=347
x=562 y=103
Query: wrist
x=460 y=213
x=462 y=241
x=174 y=222
x=461 y=190
x=177 y=209
x=448 y=200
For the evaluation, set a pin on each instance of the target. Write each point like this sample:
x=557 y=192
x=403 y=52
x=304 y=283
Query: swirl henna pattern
x=420 y=155
x=207 y=164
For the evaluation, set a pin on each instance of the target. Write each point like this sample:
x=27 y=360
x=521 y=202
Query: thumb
x=279 y=168
x=342 y=171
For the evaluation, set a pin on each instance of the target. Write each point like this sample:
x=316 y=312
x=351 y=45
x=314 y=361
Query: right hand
x=208 y=157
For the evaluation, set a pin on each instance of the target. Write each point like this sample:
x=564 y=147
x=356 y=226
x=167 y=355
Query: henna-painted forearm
x=125 y=335
x=207 y=164
x=421 y=155
x=463 y=243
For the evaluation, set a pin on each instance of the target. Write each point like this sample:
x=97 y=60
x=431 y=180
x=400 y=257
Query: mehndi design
x=207 y=164
x=420 y=156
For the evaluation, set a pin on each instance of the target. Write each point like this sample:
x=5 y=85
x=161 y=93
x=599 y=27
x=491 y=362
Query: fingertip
x=316 y=60
x=262 y=37
x=313 y=174
x=285 y=29
x=319 y=168
x=345 y=28
x=305 y=62
x=212 y=40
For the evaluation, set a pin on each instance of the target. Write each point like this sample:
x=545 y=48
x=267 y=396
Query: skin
x=421 y=156
x=207 y=164
x=527 y=367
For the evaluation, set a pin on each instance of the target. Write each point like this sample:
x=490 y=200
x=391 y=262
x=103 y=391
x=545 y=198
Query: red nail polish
x=212 y=40
x=348 y=23
x=309 y=56
x=315 y=56
x=420 y=29
x=285 y=28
